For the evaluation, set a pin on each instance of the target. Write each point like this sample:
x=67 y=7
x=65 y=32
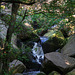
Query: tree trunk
x=10 y=31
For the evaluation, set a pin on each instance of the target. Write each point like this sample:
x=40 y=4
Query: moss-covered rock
x=16 y=66
x=53 y=33
x=53 y=44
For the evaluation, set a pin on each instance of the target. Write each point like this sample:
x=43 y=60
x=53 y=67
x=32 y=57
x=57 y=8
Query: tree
x=52 y=13
x=10 y=31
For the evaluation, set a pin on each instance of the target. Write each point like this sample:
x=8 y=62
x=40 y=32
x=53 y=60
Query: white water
x=38 y=52
x=43 y=39
x=32 y=73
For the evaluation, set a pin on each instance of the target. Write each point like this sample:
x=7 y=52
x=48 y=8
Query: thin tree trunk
x=9 y=35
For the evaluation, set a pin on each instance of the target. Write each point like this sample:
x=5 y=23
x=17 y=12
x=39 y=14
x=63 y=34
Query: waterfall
x=38 y=52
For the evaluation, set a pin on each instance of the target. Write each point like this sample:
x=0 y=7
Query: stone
x=52 y=33
x=26 y=33
x=69 y=48
x=56 y=61
x=16 y=66
x=53 y=44
x=3 y=31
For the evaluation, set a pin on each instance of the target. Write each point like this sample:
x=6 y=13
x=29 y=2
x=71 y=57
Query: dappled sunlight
x=67 y=62
x=27 y=24
x=2 y=6
x=73 y=16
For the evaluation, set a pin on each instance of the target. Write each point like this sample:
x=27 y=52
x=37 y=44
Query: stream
x=38 y=54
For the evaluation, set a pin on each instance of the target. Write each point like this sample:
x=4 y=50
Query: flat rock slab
x=69 y=48
x=61 y=61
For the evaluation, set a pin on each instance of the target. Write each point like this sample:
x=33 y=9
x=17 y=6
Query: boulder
x=52 y=33
x=25 y=33
x=53 y=44
x=16 y=66
x=56 y=61
x=69 y=48
x=3 y=30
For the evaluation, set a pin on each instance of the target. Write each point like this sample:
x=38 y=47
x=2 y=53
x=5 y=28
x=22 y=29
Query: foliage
x=55 y=12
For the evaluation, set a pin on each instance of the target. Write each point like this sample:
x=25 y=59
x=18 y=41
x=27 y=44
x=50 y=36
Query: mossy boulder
x=56 y=41
x=53 y=33
x=25 y=32
x=16 y=66
x=53 y=44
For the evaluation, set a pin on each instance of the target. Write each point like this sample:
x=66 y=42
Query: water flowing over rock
x=56 y=61
x=69 y=48
x=38 y=52
x=32 y=73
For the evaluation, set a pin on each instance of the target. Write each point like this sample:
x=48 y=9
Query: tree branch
x=24 y=15
x=20 y=2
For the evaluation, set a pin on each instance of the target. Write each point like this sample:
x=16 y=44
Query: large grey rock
x=69 y=48
x=17 y=66
x=58 y=62
x=3 y=31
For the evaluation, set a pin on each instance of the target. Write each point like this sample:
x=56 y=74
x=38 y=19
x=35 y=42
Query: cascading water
x=38 y=52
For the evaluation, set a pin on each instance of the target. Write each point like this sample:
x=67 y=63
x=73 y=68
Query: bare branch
x=24 y=15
